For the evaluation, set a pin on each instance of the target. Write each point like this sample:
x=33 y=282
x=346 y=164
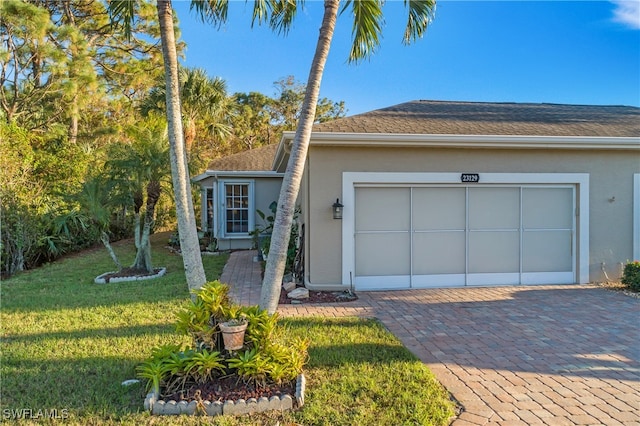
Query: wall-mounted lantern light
x=337 y=209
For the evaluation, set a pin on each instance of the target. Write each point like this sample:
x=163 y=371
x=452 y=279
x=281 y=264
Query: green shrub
x=631 y=275
x=262 y=235
x=269 y=354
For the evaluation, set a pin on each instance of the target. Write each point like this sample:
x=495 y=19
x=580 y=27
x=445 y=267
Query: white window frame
x=352 y=179
x=204 y=217
x=223 y=207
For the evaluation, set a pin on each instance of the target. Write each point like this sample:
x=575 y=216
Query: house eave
x=237 y=174
x=474 y=141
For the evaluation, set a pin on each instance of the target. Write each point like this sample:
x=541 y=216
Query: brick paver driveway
x=557 y=355
x=525 y=355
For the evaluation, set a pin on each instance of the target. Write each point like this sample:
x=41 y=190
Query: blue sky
x=497 y=51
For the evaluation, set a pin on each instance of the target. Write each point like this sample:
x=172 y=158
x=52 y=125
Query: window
x=209 y=213
x=238 y=204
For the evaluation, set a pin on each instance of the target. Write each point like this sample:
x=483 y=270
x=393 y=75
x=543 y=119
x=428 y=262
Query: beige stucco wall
x=611 y=175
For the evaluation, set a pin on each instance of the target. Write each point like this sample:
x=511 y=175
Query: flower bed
x=229 y=407
x=265 y=361
x=126 y=275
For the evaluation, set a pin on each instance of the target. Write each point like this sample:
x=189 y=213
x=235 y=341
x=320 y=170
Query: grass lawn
x=68 y=344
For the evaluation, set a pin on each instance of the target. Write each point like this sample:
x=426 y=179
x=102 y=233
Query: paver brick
x=554 y=349
x=528 y=417
x=584 y=419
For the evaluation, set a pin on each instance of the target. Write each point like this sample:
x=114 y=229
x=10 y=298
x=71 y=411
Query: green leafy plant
x=262 y=234
x=250 y=365
x=269 y=355
x=154 y=371
x=261 y=326
x=631 y=275
x=195 y=320
x=215 y=296
x=202 y=365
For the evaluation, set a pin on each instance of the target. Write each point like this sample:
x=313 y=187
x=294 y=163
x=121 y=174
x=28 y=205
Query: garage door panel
x=383 y=209
x=438 y=253
x=494 y=208
x=381 y=254
x=438 y=208
x=547 y=208
x=444 y=236
x=547 y=251
x=494 y=251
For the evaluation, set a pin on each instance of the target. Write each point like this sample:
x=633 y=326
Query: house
x=234 y=188
x=441 y=194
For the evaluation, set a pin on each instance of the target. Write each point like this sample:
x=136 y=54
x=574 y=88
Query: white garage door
x=439 y=236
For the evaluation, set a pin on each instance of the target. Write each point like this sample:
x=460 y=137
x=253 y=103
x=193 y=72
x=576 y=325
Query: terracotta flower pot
x=233 y=335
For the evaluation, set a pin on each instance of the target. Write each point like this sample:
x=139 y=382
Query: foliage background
x=72 y=89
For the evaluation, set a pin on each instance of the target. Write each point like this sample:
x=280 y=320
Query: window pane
x=237 y=208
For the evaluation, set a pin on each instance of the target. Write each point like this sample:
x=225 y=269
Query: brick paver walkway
x=556 y=355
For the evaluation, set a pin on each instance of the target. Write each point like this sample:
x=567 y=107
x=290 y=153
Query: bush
x=631 y=275
x=269 y=355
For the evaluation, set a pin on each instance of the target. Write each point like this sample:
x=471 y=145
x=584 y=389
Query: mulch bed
x=320 y=297
x=230 y=388
x=129 y=273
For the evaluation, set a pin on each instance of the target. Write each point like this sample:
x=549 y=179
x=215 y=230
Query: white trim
x=352 y=179
x=203 y=208
x=237 y=174
x=216 y=209
x=636 y=216
x=438 y=281
x=471 y=141
x=223 y=208
x=504 y=278
x=531 y=278
x=391 y=282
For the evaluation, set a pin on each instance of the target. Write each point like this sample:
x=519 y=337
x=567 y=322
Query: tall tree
x=204 y=101
x=188 y=234
x=214 y=11
x=62 y=66
x=367 y=28
x=259 y=119
x=139 y=169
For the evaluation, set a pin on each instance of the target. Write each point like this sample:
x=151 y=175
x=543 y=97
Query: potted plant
x=233 y=331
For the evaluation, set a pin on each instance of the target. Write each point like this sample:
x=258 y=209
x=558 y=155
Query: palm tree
x=124 y=11
x=137 y=169
x=214 y=11
x=367 y=27
x=204 y=103
x=279 y=14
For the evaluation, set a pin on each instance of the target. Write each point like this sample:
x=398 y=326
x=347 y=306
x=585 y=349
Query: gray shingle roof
x=257 y=159
x=482 y=118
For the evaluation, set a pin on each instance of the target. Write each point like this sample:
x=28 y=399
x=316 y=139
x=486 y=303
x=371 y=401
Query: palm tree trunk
x=143 y=252
x=104 y=237
x=194 y=271
x=143 y=243
x=271 y=285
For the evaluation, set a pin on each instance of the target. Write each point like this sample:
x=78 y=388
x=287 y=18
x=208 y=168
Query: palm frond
x=122 y=12
x=261 y=10
x=421 y=13
x=282 y=14
x=367 y=27
x=211 y=11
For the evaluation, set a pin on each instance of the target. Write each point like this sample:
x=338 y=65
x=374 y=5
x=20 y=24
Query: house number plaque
x=470 y=177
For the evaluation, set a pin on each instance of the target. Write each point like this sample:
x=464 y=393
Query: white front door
x=438 y=236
